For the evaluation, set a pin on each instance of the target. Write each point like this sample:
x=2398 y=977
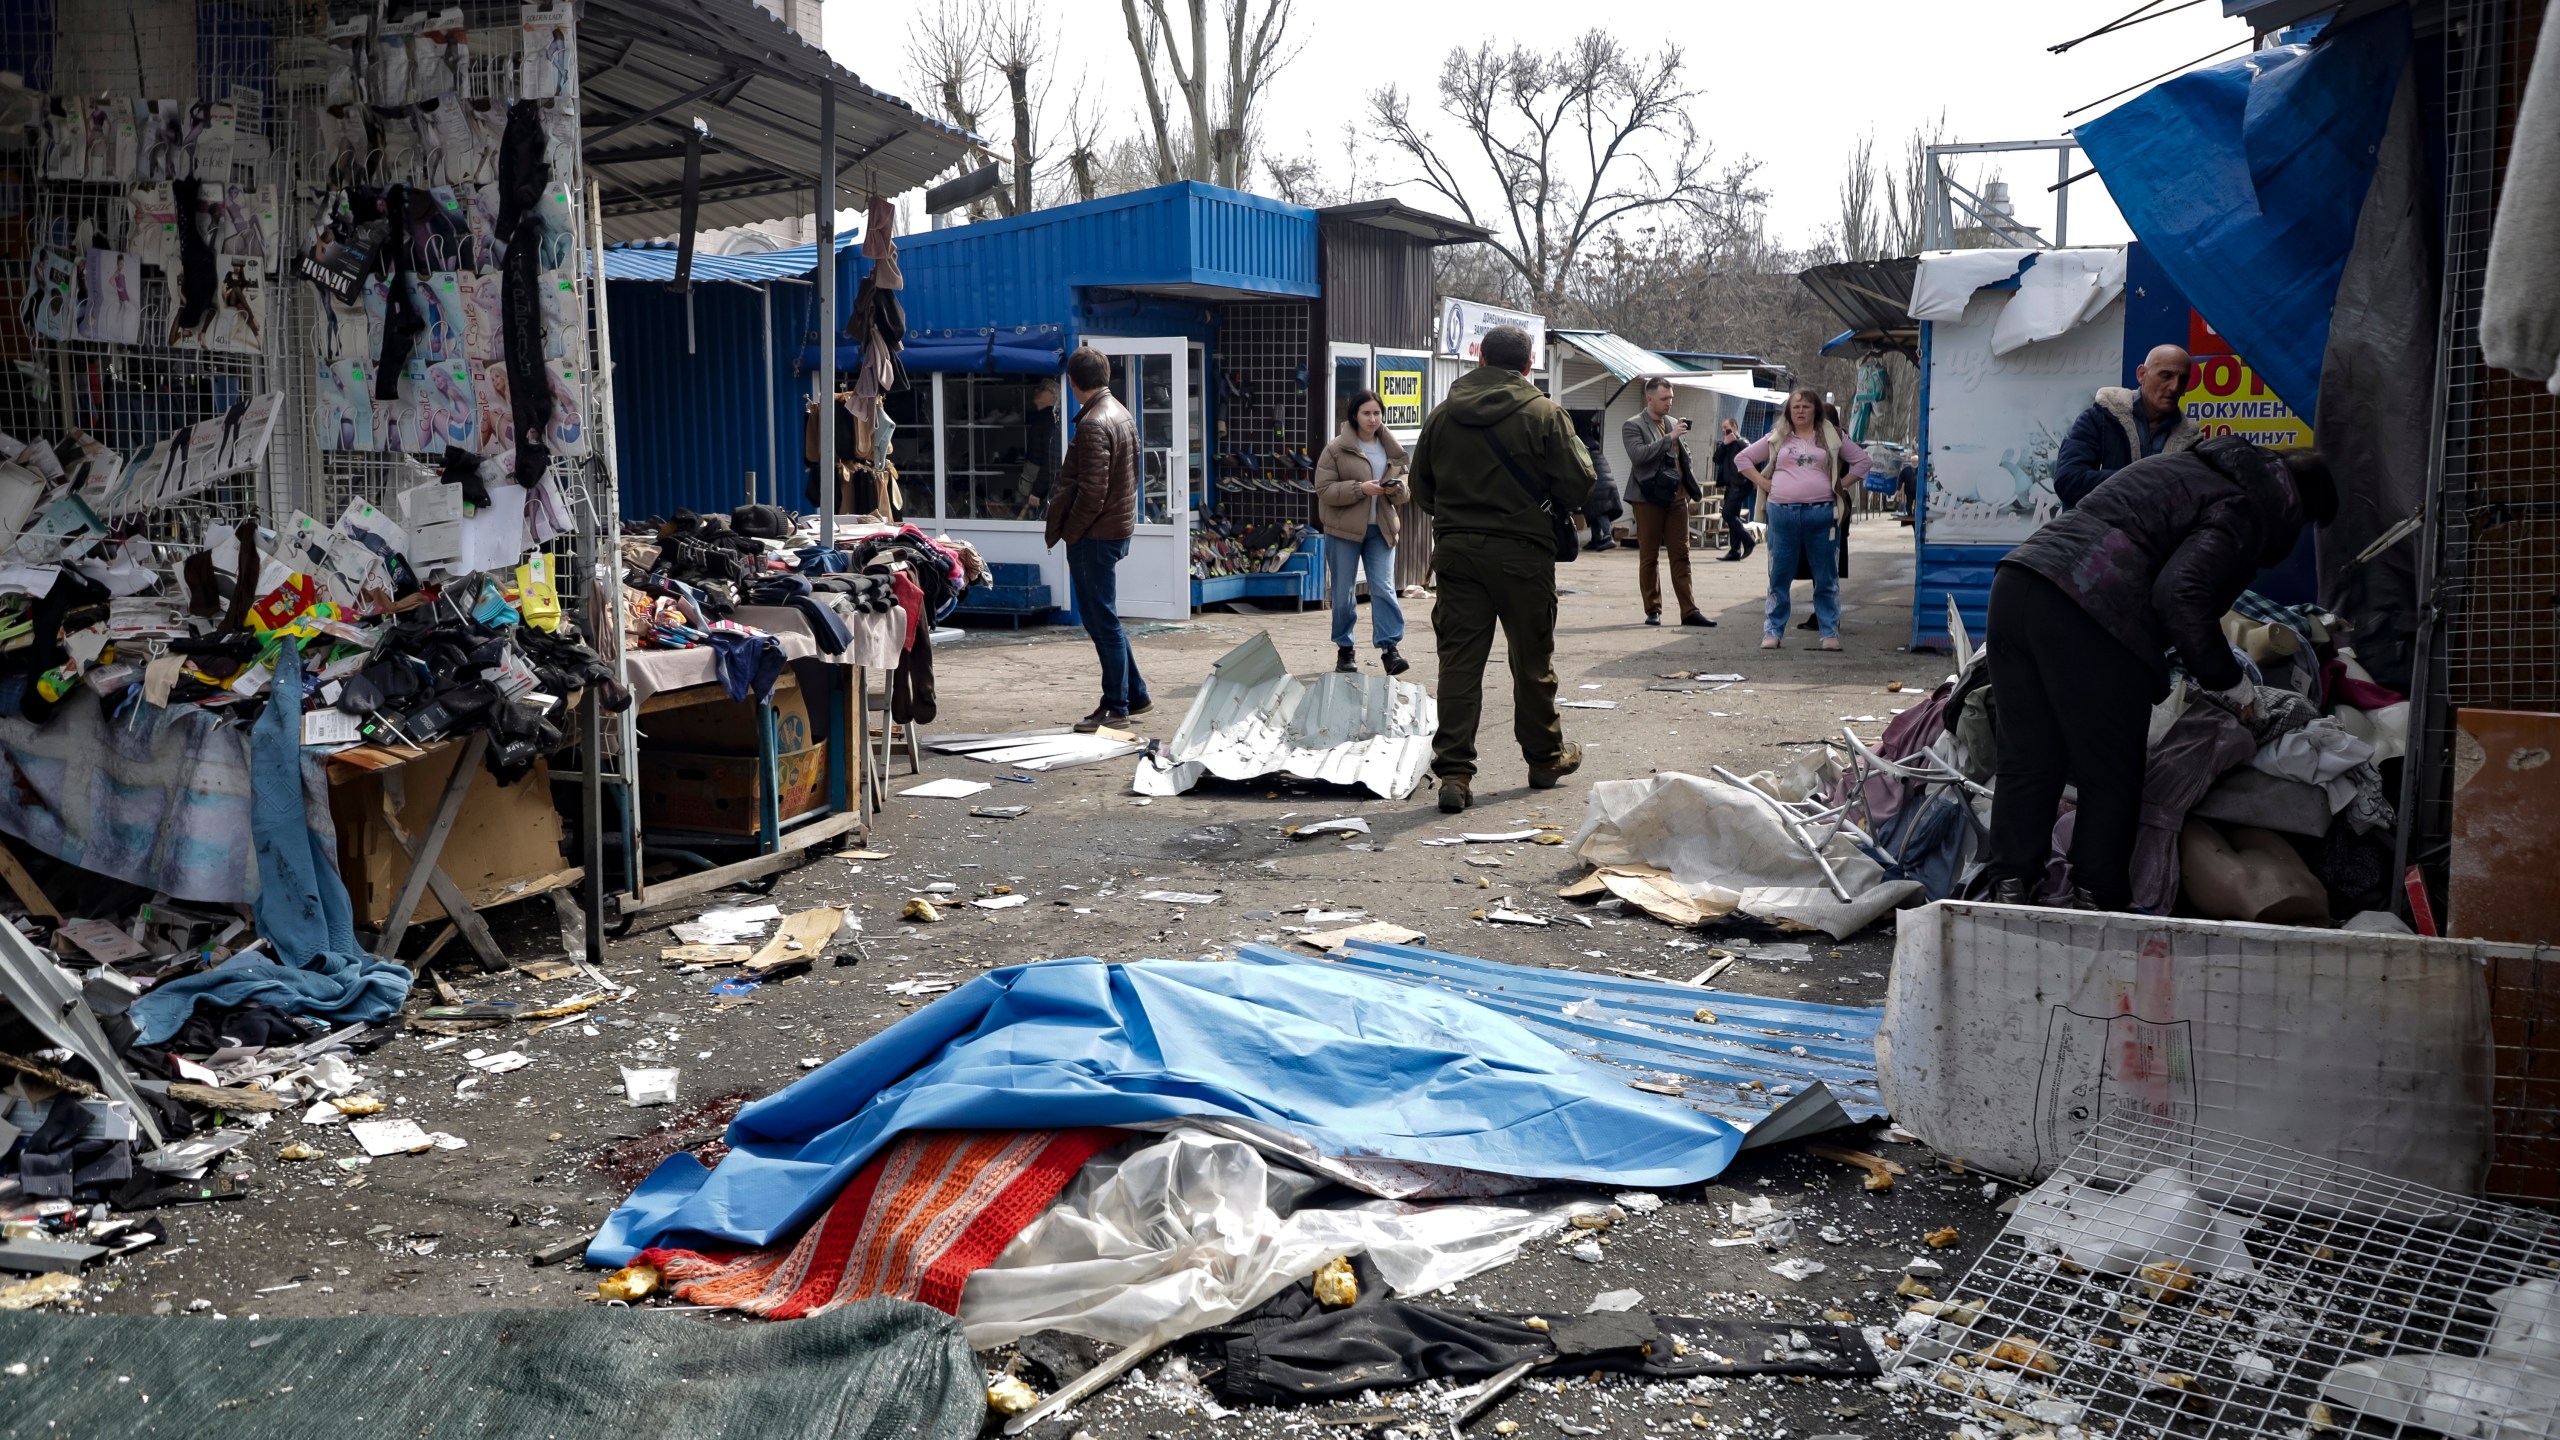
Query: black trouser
x=2074 y=707
x=1737 y=507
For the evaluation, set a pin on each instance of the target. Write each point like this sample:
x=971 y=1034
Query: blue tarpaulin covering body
x=1737 y=1057
x=2246 y=180
x=1354 y=1064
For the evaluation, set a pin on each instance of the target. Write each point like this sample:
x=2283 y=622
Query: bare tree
x=1863 y=233
x=1907 y=196
x=946 y=49
x=1215 y=142
x=1017 y=45
x=1572 y=143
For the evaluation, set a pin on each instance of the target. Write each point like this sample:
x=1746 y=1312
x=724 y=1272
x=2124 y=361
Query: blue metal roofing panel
x=1025 y=270
x=656 y=260
x=689 y=425
x=1741 y=1066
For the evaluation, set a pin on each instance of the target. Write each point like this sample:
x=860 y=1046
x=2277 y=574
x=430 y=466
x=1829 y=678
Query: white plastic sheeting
x=1726 y=850
x=1253 y=718
x=2010 y=1031
x=2058 y=290
x=1177 y=1234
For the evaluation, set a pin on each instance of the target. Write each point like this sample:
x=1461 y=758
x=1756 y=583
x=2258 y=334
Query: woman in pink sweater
x=1803 y=469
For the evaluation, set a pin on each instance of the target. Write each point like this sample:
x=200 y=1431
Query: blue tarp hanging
x=982 y=350
x=2246 y=180
x=1353 y=1064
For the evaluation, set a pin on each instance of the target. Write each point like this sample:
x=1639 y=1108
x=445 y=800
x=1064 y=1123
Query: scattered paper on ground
x=1352 y=825
x=726 y=927
x=1376 y=931
x=1178 y=897
x=945 y=789
x=390 y=1137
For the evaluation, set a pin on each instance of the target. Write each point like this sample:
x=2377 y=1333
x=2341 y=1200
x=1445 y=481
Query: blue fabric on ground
x=317 y=969
x=2246 y=179
x=1354 y=1064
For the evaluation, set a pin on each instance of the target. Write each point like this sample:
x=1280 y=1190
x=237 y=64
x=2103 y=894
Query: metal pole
x=772 y=446
x=827 y=315
x=603 y=493
x=2062 y=197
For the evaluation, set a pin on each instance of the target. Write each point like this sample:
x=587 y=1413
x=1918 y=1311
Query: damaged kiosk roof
x=648 y=69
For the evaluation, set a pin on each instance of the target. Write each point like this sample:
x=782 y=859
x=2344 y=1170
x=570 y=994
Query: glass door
x=1350 y=376
x=1154 y=379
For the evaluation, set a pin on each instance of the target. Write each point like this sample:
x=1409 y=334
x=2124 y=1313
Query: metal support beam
x=732 y=82
x=689 y=219
x=827 y=322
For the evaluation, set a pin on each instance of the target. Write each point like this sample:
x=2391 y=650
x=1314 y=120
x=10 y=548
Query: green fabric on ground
x=1487 y=580
x=876 y=1368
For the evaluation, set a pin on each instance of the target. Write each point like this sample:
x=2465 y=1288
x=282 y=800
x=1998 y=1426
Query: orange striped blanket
x=933 y=1207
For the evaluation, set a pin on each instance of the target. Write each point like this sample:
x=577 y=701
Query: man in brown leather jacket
x=1094 y=509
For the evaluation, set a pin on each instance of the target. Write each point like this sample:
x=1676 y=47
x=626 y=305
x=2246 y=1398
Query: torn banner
x=1348 y=1064
x=1253 y=718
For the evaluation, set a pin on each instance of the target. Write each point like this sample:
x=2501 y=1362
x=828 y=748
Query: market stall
x=1232 y=322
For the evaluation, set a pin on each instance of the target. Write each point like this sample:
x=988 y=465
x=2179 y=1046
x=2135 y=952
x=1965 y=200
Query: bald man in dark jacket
x=2084 y=615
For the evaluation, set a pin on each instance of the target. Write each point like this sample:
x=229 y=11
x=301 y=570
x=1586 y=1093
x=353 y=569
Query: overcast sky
x=1789 y=84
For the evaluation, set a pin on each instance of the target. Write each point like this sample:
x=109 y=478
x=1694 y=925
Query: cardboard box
x=722 y=794
x=502 y=837
x=718 y=725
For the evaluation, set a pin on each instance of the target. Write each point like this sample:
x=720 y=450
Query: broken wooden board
x=706 y=954
x=242 y=1098
x=799 y=939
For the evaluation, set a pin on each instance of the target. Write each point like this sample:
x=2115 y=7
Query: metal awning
x=1616 y=354
x=656 y=260
x=1420 y=224
x=1872 y=298
x=649 y=68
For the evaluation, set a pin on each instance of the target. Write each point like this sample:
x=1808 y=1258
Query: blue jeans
x=1093 y=569
x=1803 y=531
x=1343 y=560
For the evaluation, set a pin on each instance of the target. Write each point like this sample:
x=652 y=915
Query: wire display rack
x=2174 y=1280
x=128 y=396
x=2491 y=563
x=1266 y=474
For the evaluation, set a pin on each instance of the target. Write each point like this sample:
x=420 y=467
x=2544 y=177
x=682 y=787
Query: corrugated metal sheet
x=688 y=426
x=1619 y=356
x=1742 y=1065
x=656 y=260
x=1378 y=286
x=755 y=83
x=1182 y=238
x=1254 y=718
x=1871 y=297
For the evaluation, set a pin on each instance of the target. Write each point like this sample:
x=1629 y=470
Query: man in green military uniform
x=1493 y=548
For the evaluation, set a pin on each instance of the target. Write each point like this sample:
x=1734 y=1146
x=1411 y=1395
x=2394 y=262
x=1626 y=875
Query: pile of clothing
x=2282 y=815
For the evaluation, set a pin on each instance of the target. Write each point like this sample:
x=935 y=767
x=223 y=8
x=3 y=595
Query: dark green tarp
x=877 y=1368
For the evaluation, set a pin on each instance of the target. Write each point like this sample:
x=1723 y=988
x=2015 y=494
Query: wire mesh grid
x=128 y=395
x=2494 y=573
x=2524 y=1020
x=1266 y=474
x=2175 y=1280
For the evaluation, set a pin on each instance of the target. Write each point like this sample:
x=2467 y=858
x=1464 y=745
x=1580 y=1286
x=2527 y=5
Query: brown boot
x=1549 y=776
x=1455 y=794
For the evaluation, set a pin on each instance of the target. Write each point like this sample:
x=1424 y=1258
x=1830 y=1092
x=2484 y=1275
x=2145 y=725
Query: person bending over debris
x=1496 y=463
x=2082 y=617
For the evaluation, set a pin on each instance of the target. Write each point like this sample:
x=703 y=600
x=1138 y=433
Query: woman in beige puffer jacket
x=1359 y=482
